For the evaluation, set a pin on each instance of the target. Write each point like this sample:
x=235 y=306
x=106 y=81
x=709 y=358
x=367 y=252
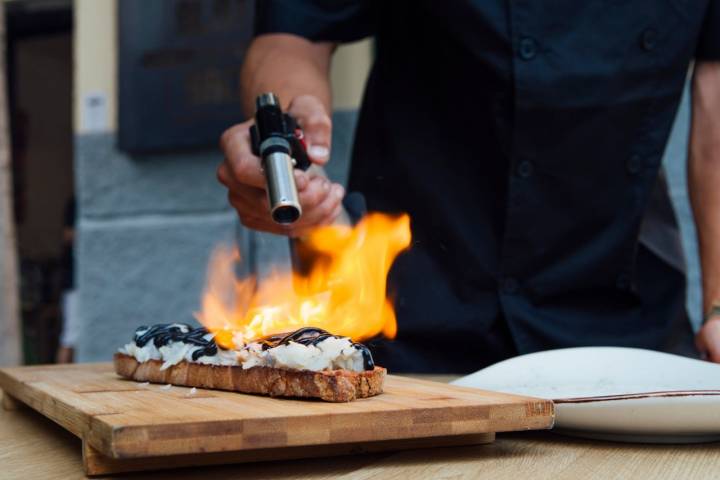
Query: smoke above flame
x=343 y=291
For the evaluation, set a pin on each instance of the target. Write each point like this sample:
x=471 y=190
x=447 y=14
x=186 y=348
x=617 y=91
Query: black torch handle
x=278 y=142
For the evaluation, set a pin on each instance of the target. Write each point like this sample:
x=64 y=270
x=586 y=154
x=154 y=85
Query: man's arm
x=289 y=66
x=297 y=70
x=704 y=188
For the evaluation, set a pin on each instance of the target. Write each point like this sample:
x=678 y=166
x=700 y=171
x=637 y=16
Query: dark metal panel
x=179 y=63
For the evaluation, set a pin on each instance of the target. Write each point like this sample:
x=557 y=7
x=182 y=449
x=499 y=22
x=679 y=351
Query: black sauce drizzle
x=163 y=333
x=312 y=336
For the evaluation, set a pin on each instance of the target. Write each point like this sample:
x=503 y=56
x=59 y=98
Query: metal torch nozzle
x=282 y=192
x=278 y=141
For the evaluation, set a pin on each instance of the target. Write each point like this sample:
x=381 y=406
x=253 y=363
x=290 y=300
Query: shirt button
x=634 y=164
x=528 y=48
x=525 y=169
x=648 y=39
x=623 y=281
x=509 y=285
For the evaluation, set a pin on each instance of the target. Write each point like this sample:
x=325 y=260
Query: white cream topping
x=142 y=354
x=175 y=352
x=329 y=354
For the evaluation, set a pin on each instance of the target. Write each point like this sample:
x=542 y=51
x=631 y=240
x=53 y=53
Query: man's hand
x=241 y=173
x=708 y=340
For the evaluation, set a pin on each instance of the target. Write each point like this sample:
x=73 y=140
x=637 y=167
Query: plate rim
x=638 y=396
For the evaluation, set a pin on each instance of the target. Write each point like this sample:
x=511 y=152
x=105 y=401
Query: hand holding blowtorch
x=279 y=142
x=259 y=186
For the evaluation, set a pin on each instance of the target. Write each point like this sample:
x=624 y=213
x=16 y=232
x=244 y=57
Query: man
x=525 y=140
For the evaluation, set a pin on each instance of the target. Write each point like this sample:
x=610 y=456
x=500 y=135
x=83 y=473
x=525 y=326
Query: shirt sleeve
x=317 y=20
x=709 y=41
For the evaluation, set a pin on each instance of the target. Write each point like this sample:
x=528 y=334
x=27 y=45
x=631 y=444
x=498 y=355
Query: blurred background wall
x=38 y=61
x=147 y=223
x=10 y=331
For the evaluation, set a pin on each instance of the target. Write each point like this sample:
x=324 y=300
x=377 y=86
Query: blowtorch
x=277 y=139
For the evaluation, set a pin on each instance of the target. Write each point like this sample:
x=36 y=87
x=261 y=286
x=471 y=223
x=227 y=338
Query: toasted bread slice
x=328 y=385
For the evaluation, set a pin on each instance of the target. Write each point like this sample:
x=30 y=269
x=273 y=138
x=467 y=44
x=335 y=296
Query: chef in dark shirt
x=525 y=139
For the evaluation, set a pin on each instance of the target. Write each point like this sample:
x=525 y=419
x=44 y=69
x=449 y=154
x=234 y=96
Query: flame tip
x=344 y=293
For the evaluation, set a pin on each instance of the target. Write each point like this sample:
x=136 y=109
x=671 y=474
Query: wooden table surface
x=33 y=447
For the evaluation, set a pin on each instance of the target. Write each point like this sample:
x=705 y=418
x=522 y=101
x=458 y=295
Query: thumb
x=315 y=122
x=701 y=344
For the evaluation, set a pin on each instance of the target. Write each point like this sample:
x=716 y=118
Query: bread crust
x=328 y=385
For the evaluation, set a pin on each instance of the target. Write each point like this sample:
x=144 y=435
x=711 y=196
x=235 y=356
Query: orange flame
x=344 y=292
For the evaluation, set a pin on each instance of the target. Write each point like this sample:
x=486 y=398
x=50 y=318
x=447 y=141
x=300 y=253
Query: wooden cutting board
x=126 y=425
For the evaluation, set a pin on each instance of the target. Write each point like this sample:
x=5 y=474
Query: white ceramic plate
x=614 y=393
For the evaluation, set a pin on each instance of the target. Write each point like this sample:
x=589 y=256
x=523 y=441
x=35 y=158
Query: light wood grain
x=126 y=420
x=549 y=457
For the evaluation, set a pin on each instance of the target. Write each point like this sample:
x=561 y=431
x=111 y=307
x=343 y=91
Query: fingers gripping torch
x=278 y=141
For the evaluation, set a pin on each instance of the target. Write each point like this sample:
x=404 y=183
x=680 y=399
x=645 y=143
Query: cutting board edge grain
x=96 y=463
x=121 y=442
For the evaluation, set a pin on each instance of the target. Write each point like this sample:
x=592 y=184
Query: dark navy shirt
x=524 y=138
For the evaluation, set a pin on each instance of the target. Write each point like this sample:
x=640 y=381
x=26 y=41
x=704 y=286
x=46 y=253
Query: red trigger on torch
x=301 y=137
